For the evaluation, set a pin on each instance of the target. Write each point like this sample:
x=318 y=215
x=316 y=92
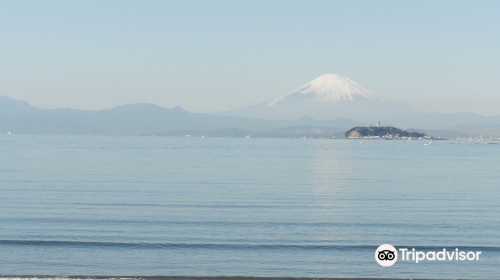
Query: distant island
x=384 y=132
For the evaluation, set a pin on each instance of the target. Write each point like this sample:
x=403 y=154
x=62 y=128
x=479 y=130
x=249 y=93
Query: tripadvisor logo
x=387 y=255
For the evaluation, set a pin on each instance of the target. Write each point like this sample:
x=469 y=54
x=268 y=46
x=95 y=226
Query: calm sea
x=104 y=205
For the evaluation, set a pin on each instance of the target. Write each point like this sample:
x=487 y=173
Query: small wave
x=216 y=246
x=225 y=246
x=93 y=277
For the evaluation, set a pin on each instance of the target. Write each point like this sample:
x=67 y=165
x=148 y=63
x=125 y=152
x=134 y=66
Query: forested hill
x=383 y=131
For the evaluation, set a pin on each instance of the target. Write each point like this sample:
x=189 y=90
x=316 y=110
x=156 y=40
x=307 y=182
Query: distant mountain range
x=328 y=97
x=332 y=96
x=140 y=119
x=326 y=107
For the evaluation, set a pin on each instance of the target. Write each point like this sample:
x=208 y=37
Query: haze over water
x=99 y=205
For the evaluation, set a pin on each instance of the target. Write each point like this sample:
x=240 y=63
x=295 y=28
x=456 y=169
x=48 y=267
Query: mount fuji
x=329 y=96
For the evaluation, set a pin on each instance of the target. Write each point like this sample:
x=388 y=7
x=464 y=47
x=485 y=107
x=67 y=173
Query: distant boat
x=248 y=136
x=428 y=143
x=9 y=132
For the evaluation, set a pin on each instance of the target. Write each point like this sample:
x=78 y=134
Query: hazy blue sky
x=207 y=56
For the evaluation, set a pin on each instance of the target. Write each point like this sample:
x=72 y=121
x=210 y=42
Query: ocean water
x=144 y=206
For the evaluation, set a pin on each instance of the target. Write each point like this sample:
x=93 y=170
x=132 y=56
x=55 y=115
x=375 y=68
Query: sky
x=207 y=56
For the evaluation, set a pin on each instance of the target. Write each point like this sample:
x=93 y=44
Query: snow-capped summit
x=327 y=97
x=328 y=88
